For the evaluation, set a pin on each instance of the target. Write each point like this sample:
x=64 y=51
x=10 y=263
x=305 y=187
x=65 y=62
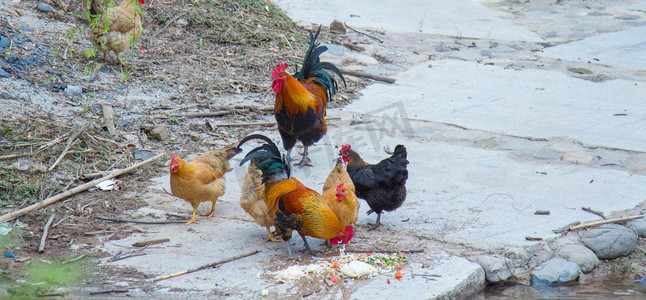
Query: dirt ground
x=203 y=56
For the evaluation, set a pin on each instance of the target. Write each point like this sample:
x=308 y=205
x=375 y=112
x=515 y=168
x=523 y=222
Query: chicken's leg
x=305 y=161
x=193 y=219
x=212 y=212
x=378 y=223
x=289 y=249
x=118 y=59
x=270 y=236
x=307 y=246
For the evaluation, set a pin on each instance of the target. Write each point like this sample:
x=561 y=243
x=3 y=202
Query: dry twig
x=369 y=76
x=598 y=213
x=41 y=247
x=150 y=242
x=141 y=222
x=605 y=222
x=363 y=33
x=70 y=141
x=246 y=124
x=211 y=265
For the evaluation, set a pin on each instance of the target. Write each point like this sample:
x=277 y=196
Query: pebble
x=555 y=271
x=610 y=241
x=143 y=154
x=44 y=7
x=580 y=255
x=639 y=225
x=158 y=132
x=182 y=22
x=73 y=90
x=337 y=27
x=496 y=268
x=4 y=42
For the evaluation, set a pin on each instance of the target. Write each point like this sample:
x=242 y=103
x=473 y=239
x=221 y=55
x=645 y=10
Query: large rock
x=610 y=241
x=497 y=269
x=580 y=255
x=638 y=225
x=555 y=271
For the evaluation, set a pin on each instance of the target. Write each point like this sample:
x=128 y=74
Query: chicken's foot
x=289 y=249
x=305 y=161
x=212 y=212
x=271 y=237
x=377 y=224
x=193 y=219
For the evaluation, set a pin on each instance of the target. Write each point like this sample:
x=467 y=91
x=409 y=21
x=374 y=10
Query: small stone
x=580 y=255
x=195 y=137
x=555 y=271
x=44 y=7
x=579 y=70
x=182 y=22
x=264 y=293
x=158 y=132
x=577 y=158
x=496 y=269
x=337 y=27
x=4 y=42
x=610 y=241
x=73 y=90
x=638 y=225
x=143 y=154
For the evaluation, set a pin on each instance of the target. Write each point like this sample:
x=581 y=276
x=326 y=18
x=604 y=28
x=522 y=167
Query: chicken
x=252 y=200
x=382 y=185
x=293 y=205
x=301 y=99
x=201 y=180
x=339 y=195
x=114 y=28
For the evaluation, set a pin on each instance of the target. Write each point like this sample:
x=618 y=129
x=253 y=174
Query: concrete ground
x=505 y=108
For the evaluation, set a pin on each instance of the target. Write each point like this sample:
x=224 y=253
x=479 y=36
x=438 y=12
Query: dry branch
x=70 y=141
x=246 y=124
x=41 y=247
x=598 y=213
x=211 y=265
x=78 y=189
x=196 y=115
x=369 y=76
x=140 y=221
x=363 y=33
x=605 y=222
x=150 y=242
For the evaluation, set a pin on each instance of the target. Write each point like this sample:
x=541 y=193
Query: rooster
x=338 y=192
x=201 y=180
x=301 y=99
x=295 y=206
x=252 y=200
x=114 y=28
x=382 y=185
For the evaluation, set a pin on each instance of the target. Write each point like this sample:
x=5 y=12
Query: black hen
x=382 y=185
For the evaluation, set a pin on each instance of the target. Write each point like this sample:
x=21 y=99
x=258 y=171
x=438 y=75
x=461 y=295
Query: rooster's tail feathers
x=267 y=157
x=313 y=67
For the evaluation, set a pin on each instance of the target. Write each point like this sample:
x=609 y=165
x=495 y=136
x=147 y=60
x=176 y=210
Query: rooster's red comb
x=338 y=188
x=281 y=67
x=345 y=147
